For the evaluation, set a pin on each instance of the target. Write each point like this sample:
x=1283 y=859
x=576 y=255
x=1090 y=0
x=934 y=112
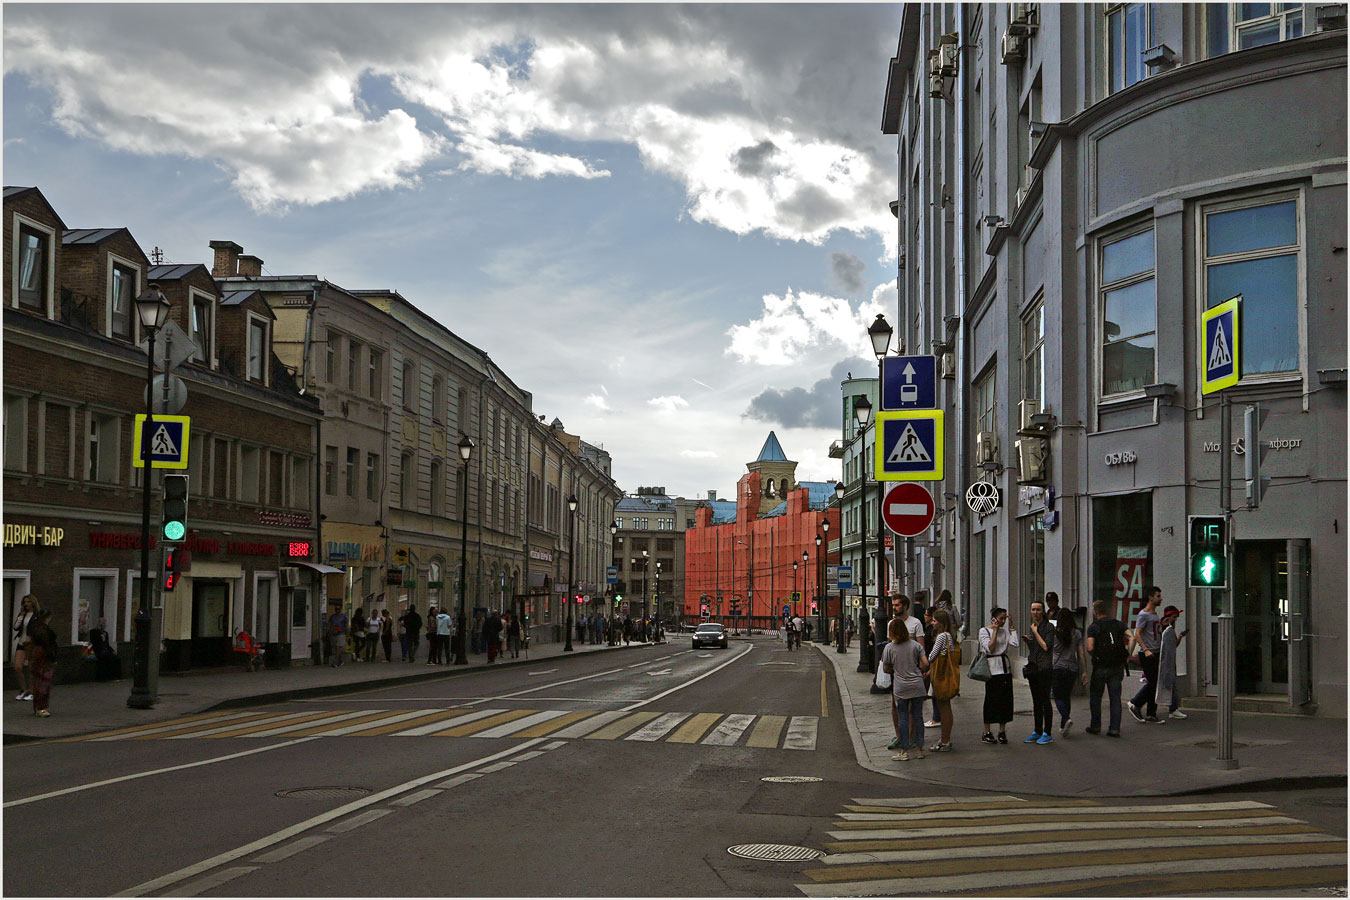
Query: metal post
x=864 y=623
x=140 y=686
x=462 y=638
x=571 y=586
x=1227 y=674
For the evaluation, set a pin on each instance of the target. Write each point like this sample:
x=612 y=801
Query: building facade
x=649 y=551
x=1077 y=185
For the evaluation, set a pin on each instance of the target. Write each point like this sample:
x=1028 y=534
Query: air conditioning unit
x=1025 y=410
x=1013 y=49
x=986 y=447
x=947 y=362
x=1025 y=19
x=1032 y=457
x=290 y=576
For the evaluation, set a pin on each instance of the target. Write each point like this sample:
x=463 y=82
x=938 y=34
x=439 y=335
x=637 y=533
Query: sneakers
x=44 y=713
x=1032 y=738
x=902 y=756
x=940 y=748
x=988 y=738
x=918 y=753
x=1134 y=711
x=1066 y=728
x=932 y=724
x=1154 y=720
x=894 y=744
x=1177 y=714
x=1091 y=730
x=1046 y=738
x=1113 y=734
x=1003 y=737
x=26 y=695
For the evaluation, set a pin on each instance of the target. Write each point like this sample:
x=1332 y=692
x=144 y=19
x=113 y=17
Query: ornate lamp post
x=843 y=644
x=462 y=624
x=862 y=410
x=880 y=334
x=656 y=626
x=820 y=579
x=806 y=584
x=153 y=311
x=613 y=531
x=796 y=583
x=571 y=568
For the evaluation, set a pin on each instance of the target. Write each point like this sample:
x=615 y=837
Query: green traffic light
x=1207 y=569
x=174 y=531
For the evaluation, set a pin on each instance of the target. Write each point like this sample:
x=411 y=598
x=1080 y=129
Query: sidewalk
x=1146 y=761
x=96 y=706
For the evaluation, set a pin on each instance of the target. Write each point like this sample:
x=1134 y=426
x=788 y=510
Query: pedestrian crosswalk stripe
x=471 y=727
x=511 y=728
x=1029 y=817
x=178 y=728
x=1163 y=885
x=462 y=717
x=433 y=718
x=910 y=802
x=801 y=733
x=658 y=727
x=690 y=732
x=328 y=718
x=115 y=735
x=270 y=719
x=926 y=831
x=766 y=731
x=352 y=728
x=622 y=726
x=1015 y=834
x=993 y=804
x=1025 y=809
x=546 y=728
x=730 y=731
x=594 y=723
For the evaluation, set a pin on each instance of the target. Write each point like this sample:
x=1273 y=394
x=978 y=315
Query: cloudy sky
x=669 y=223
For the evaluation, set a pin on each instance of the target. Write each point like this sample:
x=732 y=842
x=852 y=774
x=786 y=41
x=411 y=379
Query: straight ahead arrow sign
x=908 y=372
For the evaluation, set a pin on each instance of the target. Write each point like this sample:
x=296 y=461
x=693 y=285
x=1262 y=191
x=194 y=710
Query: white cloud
x=596 y=402
x=699 y=454
x=668 y=404
x=802 y=321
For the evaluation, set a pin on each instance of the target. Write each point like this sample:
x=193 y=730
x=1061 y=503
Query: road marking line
x=358 y=820
x=459 y=717
x=680 y=687
x=766 y=732
x=180 y=728
x=176 y=723
x=544 y=687
x=430 y=718
x=929 y=801
x=499 y=719
x=527 y=755
x=919 y=830
x=216 y=880
x=329 y=718
x=801 y=735
x=661 y=671
x=562 y=721
x=690 y=732
x=730 y=731
x=459 y=779
x=1058 y=803
x=1092 y=832
x=1056 y=810
x=417 y=797
x=496 y=767
x=586 y=726
x=192 y=765
x=658 y=729
x=554 y=745
x=542 y=672
x=824 y=703
x=387 y=720
x=294 y=847
x=1033 y=817
x=1281 y=880
x=511 y=728
x=621 y=727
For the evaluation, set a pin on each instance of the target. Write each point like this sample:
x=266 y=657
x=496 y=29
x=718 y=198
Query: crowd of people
x=920 y=663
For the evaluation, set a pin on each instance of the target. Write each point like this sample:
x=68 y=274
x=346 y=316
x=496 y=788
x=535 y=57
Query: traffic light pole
x=140 y=685
x=1227 y=674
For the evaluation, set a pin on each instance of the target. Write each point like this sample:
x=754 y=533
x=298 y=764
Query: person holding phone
x=995 y=639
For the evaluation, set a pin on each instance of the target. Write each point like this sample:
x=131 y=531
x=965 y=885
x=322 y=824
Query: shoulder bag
x=979 y=666
x=945 y=678
x=883 y=680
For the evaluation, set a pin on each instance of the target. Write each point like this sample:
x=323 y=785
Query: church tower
x=778 y=474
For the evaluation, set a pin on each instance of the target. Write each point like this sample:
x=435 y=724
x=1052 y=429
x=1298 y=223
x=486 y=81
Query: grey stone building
x=1077 y=184
x=648 y=549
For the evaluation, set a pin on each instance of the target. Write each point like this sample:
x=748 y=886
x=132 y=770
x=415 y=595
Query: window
x=437 y=398
x=299 y=483
x=95 y=602
x=618 y=520
x=1128 y=313
x=1033 y=354
x=257 y=350
x=437 y=489
x=220 y=467
x=353 y=459
x=406 y=481
x=263 y=607
x=375 y=361
x=201 y=329
x=1252 y=248
x=1126 y=41
x=329 y=470
x=16 y=433
x=33 y=260
x=101 y=449
x=121 y=291
x=1257 y=24
x=249 y=459
x=276 y=479
x=984 y=402
x=409 y=386
x=665 y=545
x=330 y=357
x=353 y=366
x=372 y=476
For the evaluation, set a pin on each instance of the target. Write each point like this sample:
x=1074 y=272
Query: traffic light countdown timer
x=1208 y=552
x=174 y=528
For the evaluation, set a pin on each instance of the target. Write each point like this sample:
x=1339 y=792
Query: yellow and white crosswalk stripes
x=709 y=729
x=922 y=845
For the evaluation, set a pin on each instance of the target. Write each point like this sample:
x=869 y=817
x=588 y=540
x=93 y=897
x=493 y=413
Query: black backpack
x=1108 y=646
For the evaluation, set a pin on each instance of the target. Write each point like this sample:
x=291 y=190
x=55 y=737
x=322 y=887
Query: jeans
x=414 y=641
x=433 y=648
x=1110 y=678
x=1063 y=680
x=403 y=646
x=1039 y=682
x=1147 y=695
x=910 y=722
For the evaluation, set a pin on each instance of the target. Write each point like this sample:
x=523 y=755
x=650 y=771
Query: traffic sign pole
x=1220 y=349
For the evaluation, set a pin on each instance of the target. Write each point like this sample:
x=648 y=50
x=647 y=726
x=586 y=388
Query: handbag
x=946 y=680
x=1030 y=669
x=883 y=680
x=979 y=666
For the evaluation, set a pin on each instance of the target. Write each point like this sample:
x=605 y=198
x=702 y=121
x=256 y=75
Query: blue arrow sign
x=909 y=382
x=909 y=447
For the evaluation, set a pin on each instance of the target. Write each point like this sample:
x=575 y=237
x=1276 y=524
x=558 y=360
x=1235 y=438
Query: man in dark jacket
x=412 y=633
x=492 y=635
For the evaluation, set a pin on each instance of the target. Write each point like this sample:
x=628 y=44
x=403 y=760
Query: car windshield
x=712 y=628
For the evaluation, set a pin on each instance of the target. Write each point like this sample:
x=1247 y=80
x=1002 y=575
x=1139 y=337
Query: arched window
x=435 y=582
x=437 y=489
x=407 y=481
x=783 y=488
x=437 y=398
x=409 y=385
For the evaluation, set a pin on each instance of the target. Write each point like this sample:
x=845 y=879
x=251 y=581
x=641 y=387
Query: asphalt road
x=626 y=774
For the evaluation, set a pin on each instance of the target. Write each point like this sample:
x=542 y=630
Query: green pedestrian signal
x=175 y=508
x=1208 y=544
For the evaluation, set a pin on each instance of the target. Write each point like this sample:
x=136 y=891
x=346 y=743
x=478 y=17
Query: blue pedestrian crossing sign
x=166 y=440
x=909 y=382
x=1220 y=339
x=909 y=446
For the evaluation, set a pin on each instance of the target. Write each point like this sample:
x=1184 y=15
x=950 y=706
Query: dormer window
x=121 y=291
x=34 y=247
x=257 y=350
x=201 y=329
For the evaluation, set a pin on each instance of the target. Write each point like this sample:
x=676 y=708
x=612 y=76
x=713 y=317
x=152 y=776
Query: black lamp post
x=820 y=579
x=880 y=335
x=656 y=626
x=843 y=644
x=152 y=309
x=797 y=583
x=806 y=582
x=613 y=532
x=862 y=410
x=462 y=631
x=571 y=554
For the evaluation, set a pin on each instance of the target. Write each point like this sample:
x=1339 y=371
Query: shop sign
x=284 y=520
x=1240 y=445
x=350 y=551
x=1129 y=586
x=106 y=540
x=1121 y=458
x=1030 y=495
x=393 y=576
x=247 y=548
x=34 y=535
x=983 y=498
x=541 y=555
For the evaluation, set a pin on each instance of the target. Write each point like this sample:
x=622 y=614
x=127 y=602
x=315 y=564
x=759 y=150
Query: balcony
x=837 y=449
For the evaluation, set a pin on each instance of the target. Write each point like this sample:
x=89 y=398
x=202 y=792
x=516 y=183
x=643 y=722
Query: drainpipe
x=962 y=393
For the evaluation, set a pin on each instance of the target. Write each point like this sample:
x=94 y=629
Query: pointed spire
x=772 y=451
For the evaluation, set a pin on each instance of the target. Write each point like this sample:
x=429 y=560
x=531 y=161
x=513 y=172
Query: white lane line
x=174 y=727
x=216 y=880
x=524 y=756
x=658 y=727
x=1050 y=810
x=931 y=801
x=442 y=724
x=1065 y=846
x=284 y=834
x=294 y=847
x=1069 y=828
x=729 y=731
x=332 y=719
x=544 y=672
x=376 y=723
x=641 y=664
x=996 y=880
x=191 y=765
x=417 y=797
x=661 y=672
x=519 y=724
x=458 y=780
x=554 y=745
x=357 y=821
x=586 y=726
x=496 y=767
x=801 y=735
x=192 y=735
x=679 y=687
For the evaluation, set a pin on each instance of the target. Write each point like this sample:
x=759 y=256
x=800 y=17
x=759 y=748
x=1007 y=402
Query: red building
x=739 y=556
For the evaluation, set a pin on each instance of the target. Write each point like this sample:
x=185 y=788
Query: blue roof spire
x=772 y=450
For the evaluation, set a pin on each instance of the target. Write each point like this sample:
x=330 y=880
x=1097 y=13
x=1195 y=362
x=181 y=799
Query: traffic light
x=174 y=563
x=814 y=608
x=705 y=610
x=1208 y=545
x=175 y=508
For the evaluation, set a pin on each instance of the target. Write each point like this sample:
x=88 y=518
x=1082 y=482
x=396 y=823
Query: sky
x=669 y=223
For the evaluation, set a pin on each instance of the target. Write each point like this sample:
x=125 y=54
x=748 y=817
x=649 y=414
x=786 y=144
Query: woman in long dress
x=995 y=639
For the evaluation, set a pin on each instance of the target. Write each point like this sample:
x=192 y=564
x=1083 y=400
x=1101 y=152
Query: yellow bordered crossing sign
x=1220 y=346
x=166 y=438
x=909 y=445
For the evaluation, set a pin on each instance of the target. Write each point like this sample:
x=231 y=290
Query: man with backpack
x=1106 y=646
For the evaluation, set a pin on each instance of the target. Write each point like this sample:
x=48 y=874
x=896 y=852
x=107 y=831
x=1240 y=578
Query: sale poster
x=1131 y=563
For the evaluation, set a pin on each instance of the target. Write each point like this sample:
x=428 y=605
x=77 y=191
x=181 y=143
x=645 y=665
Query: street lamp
x=797 y=583
x=820 y=577
x=465 y=446
x=571 y=554
x=843 y=644
x=656 y=592
x=880 y=334
x=152 y=309
x=646 y=603
x=862 y=411
x=806 y=558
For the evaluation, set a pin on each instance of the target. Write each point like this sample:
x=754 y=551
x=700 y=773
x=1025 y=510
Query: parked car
x=710 y=633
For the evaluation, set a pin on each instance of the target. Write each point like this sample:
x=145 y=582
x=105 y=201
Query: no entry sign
x=908 y=509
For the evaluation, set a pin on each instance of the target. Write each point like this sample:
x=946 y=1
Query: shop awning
x=317 y=567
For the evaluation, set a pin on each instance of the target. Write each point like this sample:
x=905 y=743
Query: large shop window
x=1128 y=307
x=1122 y=551
x=1252 y=248
x=96 y=602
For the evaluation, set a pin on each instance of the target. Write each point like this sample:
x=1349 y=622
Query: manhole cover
x=790 y=779
x=324 y=793
x=774 y=852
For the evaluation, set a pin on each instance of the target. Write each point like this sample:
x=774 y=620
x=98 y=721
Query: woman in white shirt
x=995 y=639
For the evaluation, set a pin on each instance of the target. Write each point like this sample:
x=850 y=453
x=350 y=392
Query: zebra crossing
x=1012 y=847
x=709 y=729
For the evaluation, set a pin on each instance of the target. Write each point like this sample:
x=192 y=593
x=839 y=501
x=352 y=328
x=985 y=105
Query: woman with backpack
x=995 y=639
x=1069 y=665
x=944 y=672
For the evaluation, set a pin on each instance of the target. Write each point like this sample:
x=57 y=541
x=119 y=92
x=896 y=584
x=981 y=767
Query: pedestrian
x=492 y=633
x=995 y=639
x=848 y=633
x=477 y=633
x=944 y=673
x=387 y=635
x=1106 y=645
x=581 y=630
x=445 y=633
x=1052 y=607
x=433 y=642
x=805 y=632
x=374 y=627
x=929 y=635
x=646 y=625
x=944 y=601
x=904 y=660
x=1147 y=633
x=1167 y=662
x=901 y=604
x=1040 y=675
x=337 y=634
x=513 y=636
x=791 y=629
x=597 y=629
x=42 y=660
x=358 y=633
x=1070 y=665
x=412 y=633
x=627 y=630
x=106 y=667
x=18 y=643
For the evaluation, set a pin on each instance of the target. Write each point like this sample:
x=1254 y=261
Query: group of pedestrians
x=795 y=629
x=362 y=634
x=922 y=662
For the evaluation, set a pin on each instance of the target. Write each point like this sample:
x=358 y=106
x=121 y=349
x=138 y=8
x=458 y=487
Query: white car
x=710 y=633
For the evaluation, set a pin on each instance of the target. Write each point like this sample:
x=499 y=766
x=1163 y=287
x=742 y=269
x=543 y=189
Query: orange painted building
x=739 y=556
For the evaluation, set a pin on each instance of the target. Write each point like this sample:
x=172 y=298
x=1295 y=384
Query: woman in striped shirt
x=944 y=640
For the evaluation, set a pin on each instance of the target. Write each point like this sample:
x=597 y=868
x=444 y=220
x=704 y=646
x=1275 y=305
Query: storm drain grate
x=790 y=779
x=774 y=852
x=323 y=793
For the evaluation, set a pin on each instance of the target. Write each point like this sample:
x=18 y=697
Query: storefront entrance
x=210 y=613
x=1269 y=619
